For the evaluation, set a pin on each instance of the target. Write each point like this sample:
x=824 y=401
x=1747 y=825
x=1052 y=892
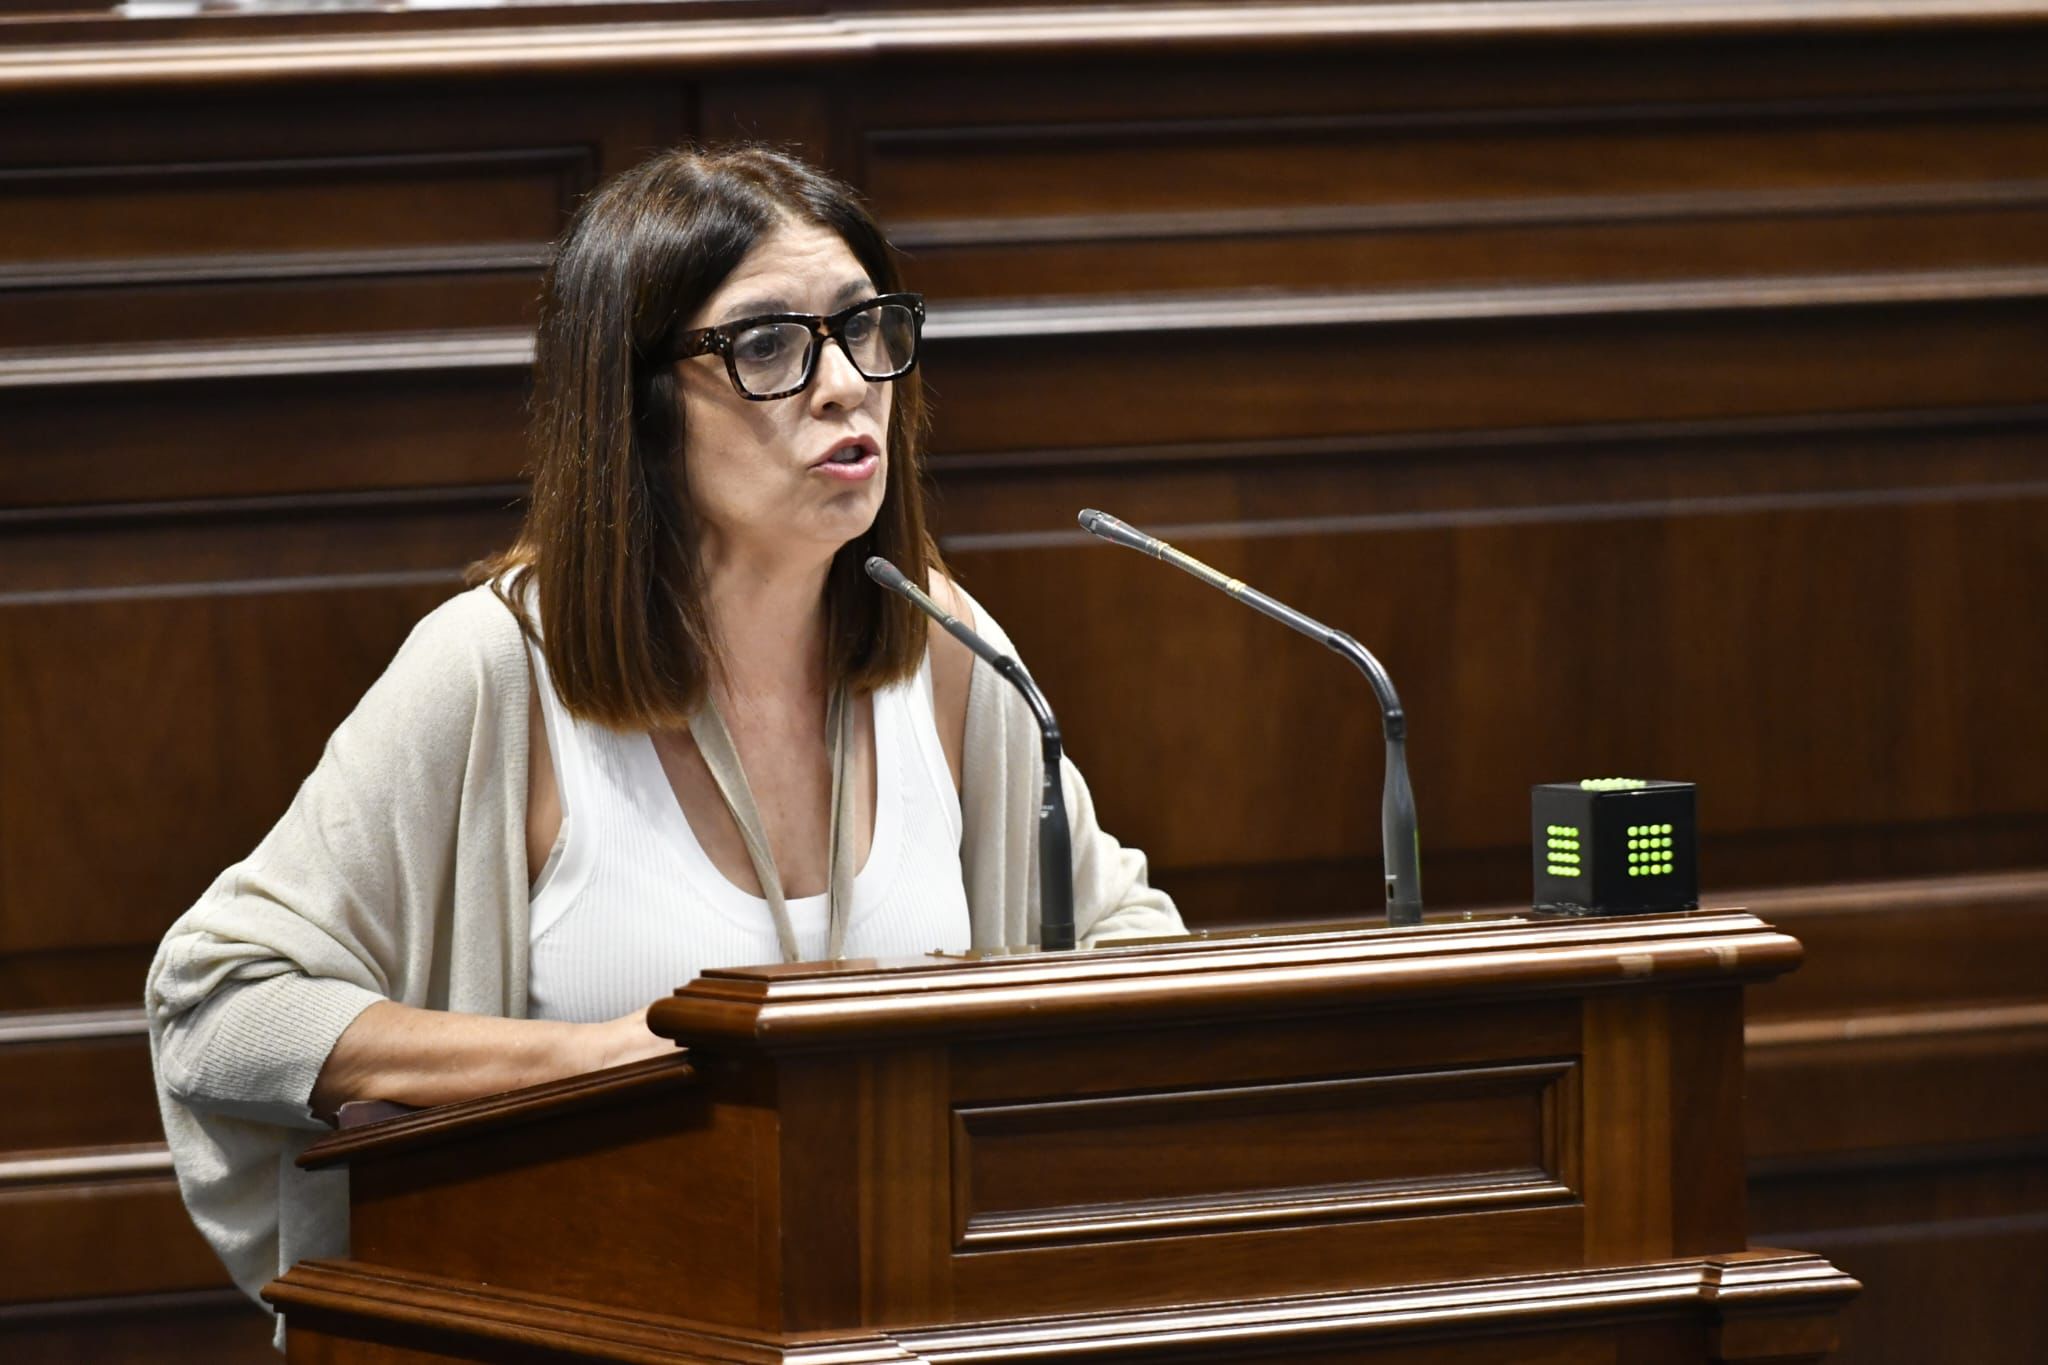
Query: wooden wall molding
x=512 y=348
x=1531 y=515
x=98 y=366
x=84 y=1165
x=106 y=61
x=1760 y=1284
x=918 y=234
x=69 y=1026
x=231 y=587
x=1534 y=440
x=1926 y=895
x=2029 y=1016
x=1264 y=311
x=14 y=1315
x=259 y=507
x=477 y=258
x=124 y=174
x=1210 y=130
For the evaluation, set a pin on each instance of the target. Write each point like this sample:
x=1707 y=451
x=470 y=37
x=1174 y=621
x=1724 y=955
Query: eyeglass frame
x=705 y=340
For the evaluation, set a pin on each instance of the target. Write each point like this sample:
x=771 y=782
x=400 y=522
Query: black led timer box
x=1614 y=846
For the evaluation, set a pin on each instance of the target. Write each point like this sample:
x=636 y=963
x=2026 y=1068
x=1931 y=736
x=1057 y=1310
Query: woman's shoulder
x=476 y=626
x=463 y=659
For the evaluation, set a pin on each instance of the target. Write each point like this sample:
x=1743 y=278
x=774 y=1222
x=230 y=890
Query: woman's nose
x=837 y=383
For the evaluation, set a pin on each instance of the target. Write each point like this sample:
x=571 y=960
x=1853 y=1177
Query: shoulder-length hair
x=610 y=539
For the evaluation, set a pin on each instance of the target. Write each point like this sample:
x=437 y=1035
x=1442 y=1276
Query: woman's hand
x=619 y=1041
x=426 y=1057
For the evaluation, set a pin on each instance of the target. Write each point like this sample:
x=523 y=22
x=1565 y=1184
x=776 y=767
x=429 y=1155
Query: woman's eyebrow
x=851 y=292
x=753 y=308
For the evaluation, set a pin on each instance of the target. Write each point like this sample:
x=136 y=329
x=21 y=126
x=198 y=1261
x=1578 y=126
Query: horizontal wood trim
x=68 y=1026
x=866 y=36
x=423 y=1127
x=340 y=1293
x=1263 y=311
x=509 y=348
x=84 y=1165
x=483 y=257
x=1319 y=219
x=1929 y=894
x=1360 y=967
x=1534 y=440
x=1567 y=514
x=1207 y=127
x=967 y=324
x=193 y=1300
x=261 y=507
x=233 y=587
x=1478 y=1193
x=1926 y=1023
x=1051 y=1172
x=497 y=349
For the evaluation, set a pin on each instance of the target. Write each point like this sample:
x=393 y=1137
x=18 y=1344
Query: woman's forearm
x=424 y=1057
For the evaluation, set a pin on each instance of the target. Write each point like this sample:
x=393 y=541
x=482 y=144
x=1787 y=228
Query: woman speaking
x=673 y=727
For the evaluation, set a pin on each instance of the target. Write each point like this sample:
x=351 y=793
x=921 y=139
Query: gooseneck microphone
x=1055 y=853
x=1398 y=839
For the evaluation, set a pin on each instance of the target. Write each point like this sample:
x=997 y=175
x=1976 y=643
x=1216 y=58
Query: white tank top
x=629 y=906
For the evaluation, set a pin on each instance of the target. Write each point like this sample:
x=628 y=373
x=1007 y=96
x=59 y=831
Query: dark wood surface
x=1656 y=388
x=1522 y=1126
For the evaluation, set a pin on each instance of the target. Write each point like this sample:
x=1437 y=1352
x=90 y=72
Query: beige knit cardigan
x=399 y=873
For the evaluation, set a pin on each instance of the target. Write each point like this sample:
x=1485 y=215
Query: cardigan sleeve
x=353 y=897
x=1000 y=782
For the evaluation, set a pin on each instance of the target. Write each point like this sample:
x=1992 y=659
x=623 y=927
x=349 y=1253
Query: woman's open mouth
x=851 y=460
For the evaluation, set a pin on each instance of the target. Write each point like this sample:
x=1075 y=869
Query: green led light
x=1663 y=829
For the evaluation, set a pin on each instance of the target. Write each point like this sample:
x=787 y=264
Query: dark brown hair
x=610 y=538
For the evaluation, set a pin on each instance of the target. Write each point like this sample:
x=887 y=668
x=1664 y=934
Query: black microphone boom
x=1055 y=852
x=1400 y=846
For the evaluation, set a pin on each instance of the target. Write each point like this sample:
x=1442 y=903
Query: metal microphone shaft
x=1055 y=851
x=1400 y=848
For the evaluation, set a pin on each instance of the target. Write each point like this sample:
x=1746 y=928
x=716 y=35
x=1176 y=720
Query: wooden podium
x=1494 y=1140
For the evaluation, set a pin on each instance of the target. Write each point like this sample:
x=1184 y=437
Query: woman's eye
x=859 y=327
x=760 y=346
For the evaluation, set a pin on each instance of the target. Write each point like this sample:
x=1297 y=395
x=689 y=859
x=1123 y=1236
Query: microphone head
x=887 y=574
x=1107 y=527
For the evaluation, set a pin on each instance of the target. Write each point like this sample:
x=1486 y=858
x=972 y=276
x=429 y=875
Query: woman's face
x=775 y=478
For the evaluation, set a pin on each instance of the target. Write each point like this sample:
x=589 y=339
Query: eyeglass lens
x=881 y=341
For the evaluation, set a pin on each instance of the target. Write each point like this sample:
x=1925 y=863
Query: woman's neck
x=769 y=621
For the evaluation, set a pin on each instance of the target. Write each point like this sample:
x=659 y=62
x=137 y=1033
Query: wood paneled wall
x=1656 y=390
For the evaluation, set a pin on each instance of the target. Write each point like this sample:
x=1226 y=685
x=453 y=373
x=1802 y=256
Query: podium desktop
x=1494 y=1140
